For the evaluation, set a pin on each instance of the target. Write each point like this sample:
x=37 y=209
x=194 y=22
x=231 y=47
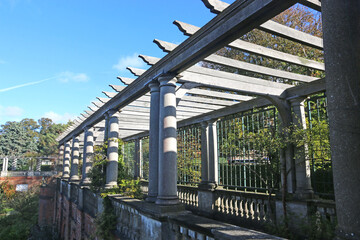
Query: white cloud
x=129 y=61
x=58 y=118
x=11 y=111
x=72 y=77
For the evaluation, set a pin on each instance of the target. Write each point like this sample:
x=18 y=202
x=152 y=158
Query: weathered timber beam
x=314 y=4
x=249 y=67
x=241 y=45
x=217 y=6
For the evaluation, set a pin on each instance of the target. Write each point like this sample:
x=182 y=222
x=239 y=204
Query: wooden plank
x=249 y=67
x=241 y=45
x=217 y=6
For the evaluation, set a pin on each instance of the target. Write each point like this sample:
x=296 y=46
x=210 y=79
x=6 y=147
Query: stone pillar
x=14 y=165
x=5 y=164
x=106 y=129
x=302 y=165
x=341 y=24
x=87 y=154
x=74 y=172
x=60 y=159
x=167 y=143
x=138 y=158
x=66 y=163
x=38 y=164
x=209 y=155
x=113 y=149
x=153 y=142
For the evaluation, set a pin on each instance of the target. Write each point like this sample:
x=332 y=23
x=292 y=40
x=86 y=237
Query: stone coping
x=176 y=214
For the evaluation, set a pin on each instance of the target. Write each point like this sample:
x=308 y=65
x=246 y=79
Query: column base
x=151 y=199
x=74 y=179
x=167 y=200
x=302 y=194
x=111 y=185
x=65 y=176
x=207 y=186
x=85 y=182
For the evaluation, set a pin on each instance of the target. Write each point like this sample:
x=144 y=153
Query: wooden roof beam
x=249 y=67
x=241 y=45
x=217 y=6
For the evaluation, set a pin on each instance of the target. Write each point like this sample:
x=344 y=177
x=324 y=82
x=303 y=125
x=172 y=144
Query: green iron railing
x=319 y=146
x=189 y=155
x=242 y=164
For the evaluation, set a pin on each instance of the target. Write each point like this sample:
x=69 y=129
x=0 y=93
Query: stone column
x=66 y=163
x=14 y=165
x=38 y=164
x=60 y=159
x=87 y=154
x=167 y=143
x=106 y=129
x=153 y=142
x=5 y=164
x=74 y=175
x=341 y=21
x=138 y=158
x=209 y=155
x=302 y=165
x=113 y=149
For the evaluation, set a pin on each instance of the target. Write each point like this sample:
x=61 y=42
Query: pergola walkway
x=178 y=91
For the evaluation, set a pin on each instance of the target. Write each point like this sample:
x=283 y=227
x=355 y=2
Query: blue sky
x=57 y=56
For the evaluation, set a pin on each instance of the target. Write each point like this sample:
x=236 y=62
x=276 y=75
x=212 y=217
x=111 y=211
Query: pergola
x=177 y=91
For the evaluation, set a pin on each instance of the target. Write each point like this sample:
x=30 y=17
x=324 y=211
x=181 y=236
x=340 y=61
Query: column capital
x=88 y=128
x=298 y=101
x=113 y=113
x=154 y=86
x=167 y=80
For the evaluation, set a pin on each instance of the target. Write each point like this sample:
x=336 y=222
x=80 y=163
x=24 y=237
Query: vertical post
x=154 y=142
x=74 y=176
x=341 y=21
x=87 y=155
x=302 y=165
x=209 y=156
x=38 y=164
x=5 y=164
x=60 y=158
x=138 y=158
x=113 y=149
x=106 y=130
x=167 y=143
x=66 y=163
x=14 y=164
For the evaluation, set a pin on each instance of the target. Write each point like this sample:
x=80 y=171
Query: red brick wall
x=31 y=181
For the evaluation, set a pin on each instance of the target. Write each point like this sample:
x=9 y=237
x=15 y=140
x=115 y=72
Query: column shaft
x=302 y=164
x=209 y=156
x=138 y=158
x=74 y=175
x=60 y=159
x=113 y=149
x=87 y=155
x=167 y=143
x=66 y=163
x=341 y=21
x=154 y=142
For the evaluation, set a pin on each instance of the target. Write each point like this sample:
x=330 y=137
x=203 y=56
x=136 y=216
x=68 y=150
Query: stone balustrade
x=188 y=196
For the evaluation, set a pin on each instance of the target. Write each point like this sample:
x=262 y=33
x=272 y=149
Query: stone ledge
x=152 y=210
x=217 y=229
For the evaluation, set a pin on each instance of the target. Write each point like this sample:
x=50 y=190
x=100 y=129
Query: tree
x=49 y=130
x=16 y=140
